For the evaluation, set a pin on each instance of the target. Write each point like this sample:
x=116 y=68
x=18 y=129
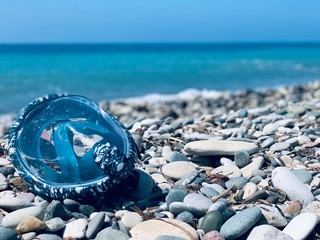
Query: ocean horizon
x=113 y=71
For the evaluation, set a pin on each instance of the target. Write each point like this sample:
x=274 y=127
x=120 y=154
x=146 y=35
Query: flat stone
x=236 y=181
x=267 y=143
x=249 y=189
x=176 y=156
x=279 y=146
x=57 y=209
x=14 y=218
x=179 y=207
x=215 y=186
x=242 y=158
x=198 y=201
x=303 y=175
x=177 y=170
x=167 y=152
x=229 y=171
x=212 y=235
x=75 y=229
x=111 y=234
x=55 y=224
x=13 y=203
x=270 y=128
x=131 y=219
x=152 y=229
x=301 y=226
x=29 y=236
x=95 y=225
x=86 y=209
x=8 y=234
x=30 y=224
x=213 y=220
x=284 y=179
x=208 y=192
x=71 y=205
x=218 y=148
x=256 y=163
x=218 y=206
x=240 y=223
x=3 y=182
x=48 y=236
x=274 y=218
x=176 y=195
x=159 y=178
x=267 y=232
x=187 y=179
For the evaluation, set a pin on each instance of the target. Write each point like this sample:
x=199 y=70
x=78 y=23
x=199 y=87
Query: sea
x=115 y=71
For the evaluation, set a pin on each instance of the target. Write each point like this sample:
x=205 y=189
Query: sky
x=140 y=21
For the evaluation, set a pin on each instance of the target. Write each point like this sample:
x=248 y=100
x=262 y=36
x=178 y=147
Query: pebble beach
x=213 y=165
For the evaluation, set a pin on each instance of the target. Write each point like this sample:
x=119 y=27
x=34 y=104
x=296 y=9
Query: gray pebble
x=179 y=207
x=236 y=181
x=185 y=217
x=176 y=195
x=8 y=234
x=111 y=234
x=303 y=175
x=259 y=172
x=56 y=209
x=55 y=224
x=242 y=158
x=71 y=205
x=176 y=156
x=95 y=225
x=256 y=179
x=209 y=192
x=87 y=209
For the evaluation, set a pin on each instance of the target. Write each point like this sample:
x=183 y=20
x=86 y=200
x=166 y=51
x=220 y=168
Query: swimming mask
x=68 y=147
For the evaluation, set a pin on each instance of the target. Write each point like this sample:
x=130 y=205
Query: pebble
x=209 y=192
x=218 y=206
x=185 y=216
x=56 y=209
x=14 y=218
x=13 y=203
x=242 y=158
x=95 y=225
x=177 y=170
x=75 y=229
x=179 y=207
x=284 y=179
x=111 y=234
x=267 y=232
x=176 y=195
x=314 y=207
x=48 y=236
x=214 y=148
x=176 y=156
x=197 y=200
x=230 y=171
x=153 y=228
x=212 y=235
x=256 y=163
x=55 y=224
x=131 y=219
x=267 y=143
x=86 y=209
x=213 y=220
x=8 y=234
x=29 y=236
x=274 y=218
x=270 y=128
x=3 y=182
x=297 y=230
x=303 y=175
x=236 y=181
x=30 y=224
x=279 y=146
x=249 y=189
x=240 y=223
x=167 y=152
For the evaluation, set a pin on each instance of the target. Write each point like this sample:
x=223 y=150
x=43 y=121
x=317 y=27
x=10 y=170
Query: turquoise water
x=111 y=71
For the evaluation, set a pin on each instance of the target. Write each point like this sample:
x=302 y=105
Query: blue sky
x=59 y=21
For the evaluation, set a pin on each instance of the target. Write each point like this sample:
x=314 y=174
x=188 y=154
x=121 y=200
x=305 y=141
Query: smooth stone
x=198 y=201
x=176 y=195
x=227 y=162
x=179 y=207
x=75 y=229
x=212 y=235
x=165 y=237
x=242 y=159
x=229 y=171
x=249 y=189
x=273 y=218
x=29 y=236
x=145 y=185
x=218 y=148
x=209 y=192
x=57 y=209
x=186 y=180
x=111 y=234
x=30 y=224
x=86 y=209
x=240 y=223
x=14 y=218
x=256 y=163
x=14 y=203
x=131 y=219
x=259 y=172
x=217 y=206
x=269 y=128
x=48 y=236
x=153 y=228
x=8 y=234
x=279 y=146
x=159 y=178
x=4 y=183
x=242 y=113
x=301 y=226
x=95 y=225
x=256 y=179
x=26 y=196
x=284 y=179
x=213 y=220
x=215 y=186
x=177 y=170
x=267 y=232
x=71 y=205
x=176 y=156
x=267 y=143
x=186 y=217
x=236 y=181
x=167 y=152
x=303 y=175
x=55 y=224
x=314 y=207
